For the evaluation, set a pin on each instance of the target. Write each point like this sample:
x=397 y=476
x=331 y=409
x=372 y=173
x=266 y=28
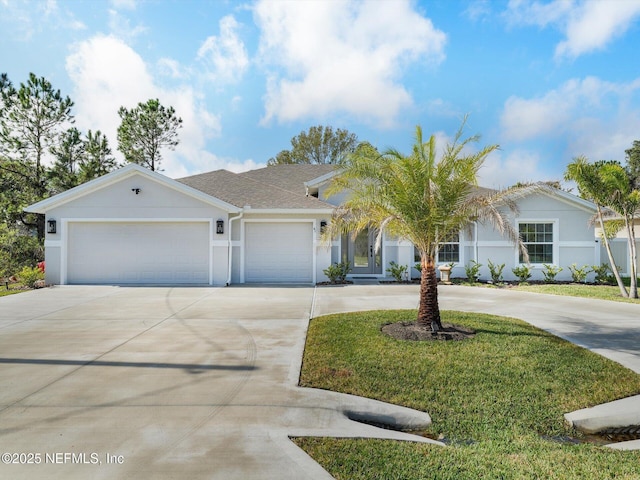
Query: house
x=135 y=226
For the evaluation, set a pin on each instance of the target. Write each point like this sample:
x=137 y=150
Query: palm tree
x=607 y=185
x=421 y=199
x=624 y=200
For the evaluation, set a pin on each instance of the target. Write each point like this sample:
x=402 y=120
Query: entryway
x=362 y=254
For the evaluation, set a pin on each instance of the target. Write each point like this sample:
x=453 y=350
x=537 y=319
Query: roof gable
x=120 y=175
x=566 y=197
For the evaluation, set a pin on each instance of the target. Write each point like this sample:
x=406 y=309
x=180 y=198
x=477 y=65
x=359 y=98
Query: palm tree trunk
x=428 y=311
x=631 y=238
x=612 y=262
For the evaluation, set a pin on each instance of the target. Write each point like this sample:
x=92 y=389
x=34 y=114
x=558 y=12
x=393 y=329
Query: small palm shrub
x=495 y=271
x=523 y=272
x=604 y=276
x=398 y=272
x=472 y=270
x=579 y=274
x=550 y=272
x=30 y=275
x=337 y=272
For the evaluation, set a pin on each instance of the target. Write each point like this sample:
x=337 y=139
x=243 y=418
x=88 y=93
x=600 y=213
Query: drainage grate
x=620 y=434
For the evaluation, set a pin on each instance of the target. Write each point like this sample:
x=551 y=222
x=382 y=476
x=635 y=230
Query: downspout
x=475 y=240
x=230 y=247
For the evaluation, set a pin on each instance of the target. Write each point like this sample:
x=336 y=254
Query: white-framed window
x=448 y=252
x=538 y=238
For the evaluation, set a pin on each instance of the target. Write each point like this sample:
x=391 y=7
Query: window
x=538 y=238
x=448 y=252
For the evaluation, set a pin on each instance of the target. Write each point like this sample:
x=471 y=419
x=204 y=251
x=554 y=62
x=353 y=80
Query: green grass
x=601 y=292
x=13 y=289
x=492 y=398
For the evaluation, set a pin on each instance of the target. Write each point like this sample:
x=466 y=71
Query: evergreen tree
x=145 y=130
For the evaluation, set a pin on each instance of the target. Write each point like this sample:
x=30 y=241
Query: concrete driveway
x=108 y=382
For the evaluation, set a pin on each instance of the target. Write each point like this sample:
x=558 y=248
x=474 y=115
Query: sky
x=545 y=80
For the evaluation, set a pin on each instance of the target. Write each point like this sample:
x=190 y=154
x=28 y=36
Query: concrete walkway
x=108 y=382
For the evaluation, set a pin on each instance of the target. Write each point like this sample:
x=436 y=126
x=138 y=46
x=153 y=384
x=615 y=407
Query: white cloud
x=107 y=74
x=595 y=24
x=121 y=26
x=556 y=112
x=226 y=54
x=478 y=10
x=589 y=117
x=528 y=12
x=341 y=56
x=172 y=68
x=124 y=4
x=500 y=171
x=588 y=25
x=26 y=19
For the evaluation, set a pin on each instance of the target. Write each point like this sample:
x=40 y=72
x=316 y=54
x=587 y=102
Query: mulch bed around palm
x=412 y=331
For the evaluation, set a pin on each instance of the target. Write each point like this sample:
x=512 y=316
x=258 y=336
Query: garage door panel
x=279 y=252
x=138 y=253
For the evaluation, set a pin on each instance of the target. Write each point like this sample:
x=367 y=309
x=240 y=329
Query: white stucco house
x=135 y=226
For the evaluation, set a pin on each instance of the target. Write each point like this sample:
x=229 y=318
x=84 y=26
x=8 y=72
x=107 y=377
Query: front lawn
x=498 y=399
x=602 y=292
x=584 y=290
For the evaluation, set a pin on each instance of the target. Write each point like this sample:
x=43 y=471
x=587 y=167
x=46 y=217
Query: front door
x=362 y=255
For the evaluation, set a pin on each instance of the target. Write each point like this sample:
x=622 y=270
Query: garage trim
x=313 y=246
x=65 y=236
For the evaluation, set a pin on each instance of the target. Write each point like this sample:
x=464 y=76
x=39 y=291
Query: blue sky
x=547 y=81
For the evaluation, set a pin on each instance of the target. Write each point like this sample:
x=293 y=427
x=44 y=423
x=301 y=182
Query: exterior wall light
x=51 y=226
x=136 y=190
x=323 y=226
x=220 y=227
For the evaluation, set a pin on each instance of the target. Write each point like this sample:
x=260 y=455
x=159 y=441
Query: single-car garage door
x=279 y=252
x=138 y=253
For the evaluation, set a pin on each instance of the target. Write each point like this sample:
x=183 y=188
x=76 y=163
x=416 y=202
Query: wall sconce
x=220 y=227
x=136 y=190
x=51 y=226
x=323 y=226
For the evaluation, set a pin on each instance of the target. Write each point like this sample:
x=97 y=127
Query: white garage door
x=279 y=252
x=138 y=253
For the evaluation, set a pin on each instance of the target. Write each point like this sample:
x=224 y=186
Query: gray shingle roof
x=276 y=187
x=289 y=177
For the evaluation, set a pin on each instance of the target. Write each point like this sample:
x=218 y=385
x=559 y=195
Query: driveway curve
x=110 y=382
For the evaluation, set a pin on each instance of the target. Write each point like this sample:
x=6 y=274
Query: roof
x=278 y=187
x=289 y=177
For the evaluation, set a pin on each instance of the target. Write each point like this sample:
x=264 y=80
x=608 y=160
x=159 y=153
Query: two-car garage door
x=279 y=252
x=179 y=252
x=138 y=253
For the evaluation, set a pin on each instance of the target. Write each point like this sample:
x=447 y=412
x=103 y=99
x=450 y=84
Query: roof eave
x=322 y=179
x=288 y=211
